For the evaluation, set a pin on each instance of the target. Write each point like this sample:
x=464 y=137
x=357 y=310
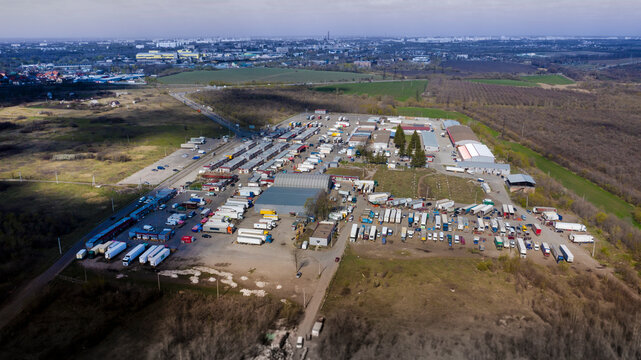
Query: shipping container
x=159 y=257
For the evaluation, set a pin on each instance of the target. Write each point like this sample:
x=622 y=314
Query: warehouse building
x=484 y=168
x=461 y=135
x=430 y=144
x=449 y=123
x=520 y=183
x=322 y=235
x=290 y=192
x=475 y=152
x=380 y=140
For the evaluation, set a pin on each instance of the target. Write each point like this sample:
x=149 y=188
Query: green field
x=400 y=90
x=261 y=76
x=432 y=113
x=506 y=82
x=528 y=81
x=548 y=79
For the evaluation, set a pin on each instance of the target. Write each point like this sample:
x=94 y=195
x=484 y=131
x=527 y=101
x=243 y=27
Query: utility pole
x=527 y=201
x=304 y=299
x=158 y=275
x=20 y=174
x=59 y=246
x=217 y=293
x=93 y=180
x=57 y=178
x=593 y=247
x=113 y=209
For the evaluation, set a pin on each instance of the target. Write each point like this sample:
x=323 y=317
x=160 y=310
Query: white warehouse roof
x=476 y=152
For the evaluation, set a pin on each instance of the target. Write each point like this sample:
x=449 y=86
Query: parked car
x=206 y=236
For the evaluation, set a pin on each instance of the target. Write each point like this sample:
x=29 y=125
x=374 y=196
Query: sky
x=135 y=19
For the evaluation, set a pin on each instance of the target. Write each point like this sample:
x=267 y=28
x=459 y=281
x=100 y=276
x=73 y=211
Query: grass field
x=400 y=90
x=426 y=183
x=528 y=81
x=347 y=172
x=432 y=113
x=262 y=76
x=114 y=142
x=548 y=79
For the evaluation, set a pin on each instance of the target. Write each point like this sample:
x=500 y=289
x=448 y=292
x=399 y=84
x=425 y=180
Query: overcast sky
x=46 y=19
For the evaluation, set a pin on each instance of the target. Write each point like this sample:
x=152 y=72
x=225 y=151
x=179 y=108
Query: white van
x=440 y=236
x=305 y=244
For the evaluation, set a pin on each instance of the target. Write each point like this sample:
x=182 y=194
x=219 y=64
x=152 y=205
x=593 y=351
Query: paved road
x=25 y=294
x=181 y=96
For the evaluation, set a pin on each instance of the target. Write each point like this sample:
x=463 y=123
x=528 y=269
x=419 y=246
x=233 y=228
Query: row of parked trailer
x=153 y=255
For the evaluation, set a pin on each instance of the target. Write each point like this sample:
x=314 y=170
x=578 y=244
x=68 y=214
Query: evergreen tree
x=418 y=160
x=399 y=138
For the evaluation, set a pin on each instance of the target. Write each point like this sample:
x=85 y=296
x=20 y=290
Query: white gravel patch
x=279 y=287
x=247 y=292
x=196 y=272
x=261 y=284
x=244 y=278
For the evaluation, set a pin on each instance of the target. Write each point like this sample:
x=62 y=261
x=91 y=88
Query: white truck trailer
x=116 y=249
x=392 y=216
x=143 y=258
x=567 y=254
x=522 y=249
x=437 y=222
x=154 y=253
x=354 y=233
x=387 y=214
x=569 y=226
x=577 y=238
x=159 y=257
x=133 y=254
x=399 y=216
x=249 y=240
x=244 y=231
x=423 y=220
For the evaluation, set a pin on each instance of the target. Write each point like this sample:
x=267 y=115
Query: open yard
x=262 y=76
x=440 y=307
x=77 y=141
x=426 y=183
x=528 y=81
x=399 y=90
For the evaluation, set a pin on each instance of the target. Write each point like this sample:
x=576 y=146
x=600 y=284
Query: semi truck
x=261 y=225
x=581 y=238
x=372 y=233
x=569 y=226
x=150 y=256
x=116 y=249
x=410 y=219
x=437 y=222
x=399 y=216
x=242 y=231
x=403 y=233
x=567 y=254
x=133 y=254
x=392 y=216
x=545 y=248
x=522 y=248
x=159 y=257
x=556 y=254
x=424 y=217
x=387 y=215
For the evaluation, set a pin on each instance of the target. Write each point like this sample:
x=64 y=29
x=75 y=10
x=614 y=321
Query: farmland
x=527 y=81
x=516 y=308
x=261 y=76
x=261 y=106
x=579 y=139
x=399 y=90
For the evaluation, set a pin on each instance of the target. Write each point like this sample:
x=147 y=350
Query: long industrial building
x=461 y=135
x=290 y=192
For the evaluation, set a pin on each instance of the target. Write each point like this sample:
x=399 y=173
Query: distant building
x=363 y=64
x=290 y=192
x=380 y=139
x=448 y=123
x=155 y=55
x=461 y=135
x=474 y=152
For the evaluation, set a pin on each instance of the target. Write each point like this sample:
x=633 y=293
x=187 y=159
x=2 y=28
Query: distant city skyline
x=129 y=19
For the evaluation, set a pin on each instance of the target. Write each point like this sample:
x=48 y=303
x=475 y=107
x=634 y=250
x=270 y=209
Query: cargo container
x=424 y=217
x=399 y=216
x=243 y=231
x=145 y=256
x=537 y=229
x=354 y=233
x=317 y=328
x=387 y=215
x=556 y=254
x=249 y=240
x=155 y=252
x=116 y=249
x=159 y=257
x=569 y=226
x=392 y=216
x=541 y=209
x=521 y=246
x=133 y=254
x=81 y=254
x=567 y=254
x=581 y=238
